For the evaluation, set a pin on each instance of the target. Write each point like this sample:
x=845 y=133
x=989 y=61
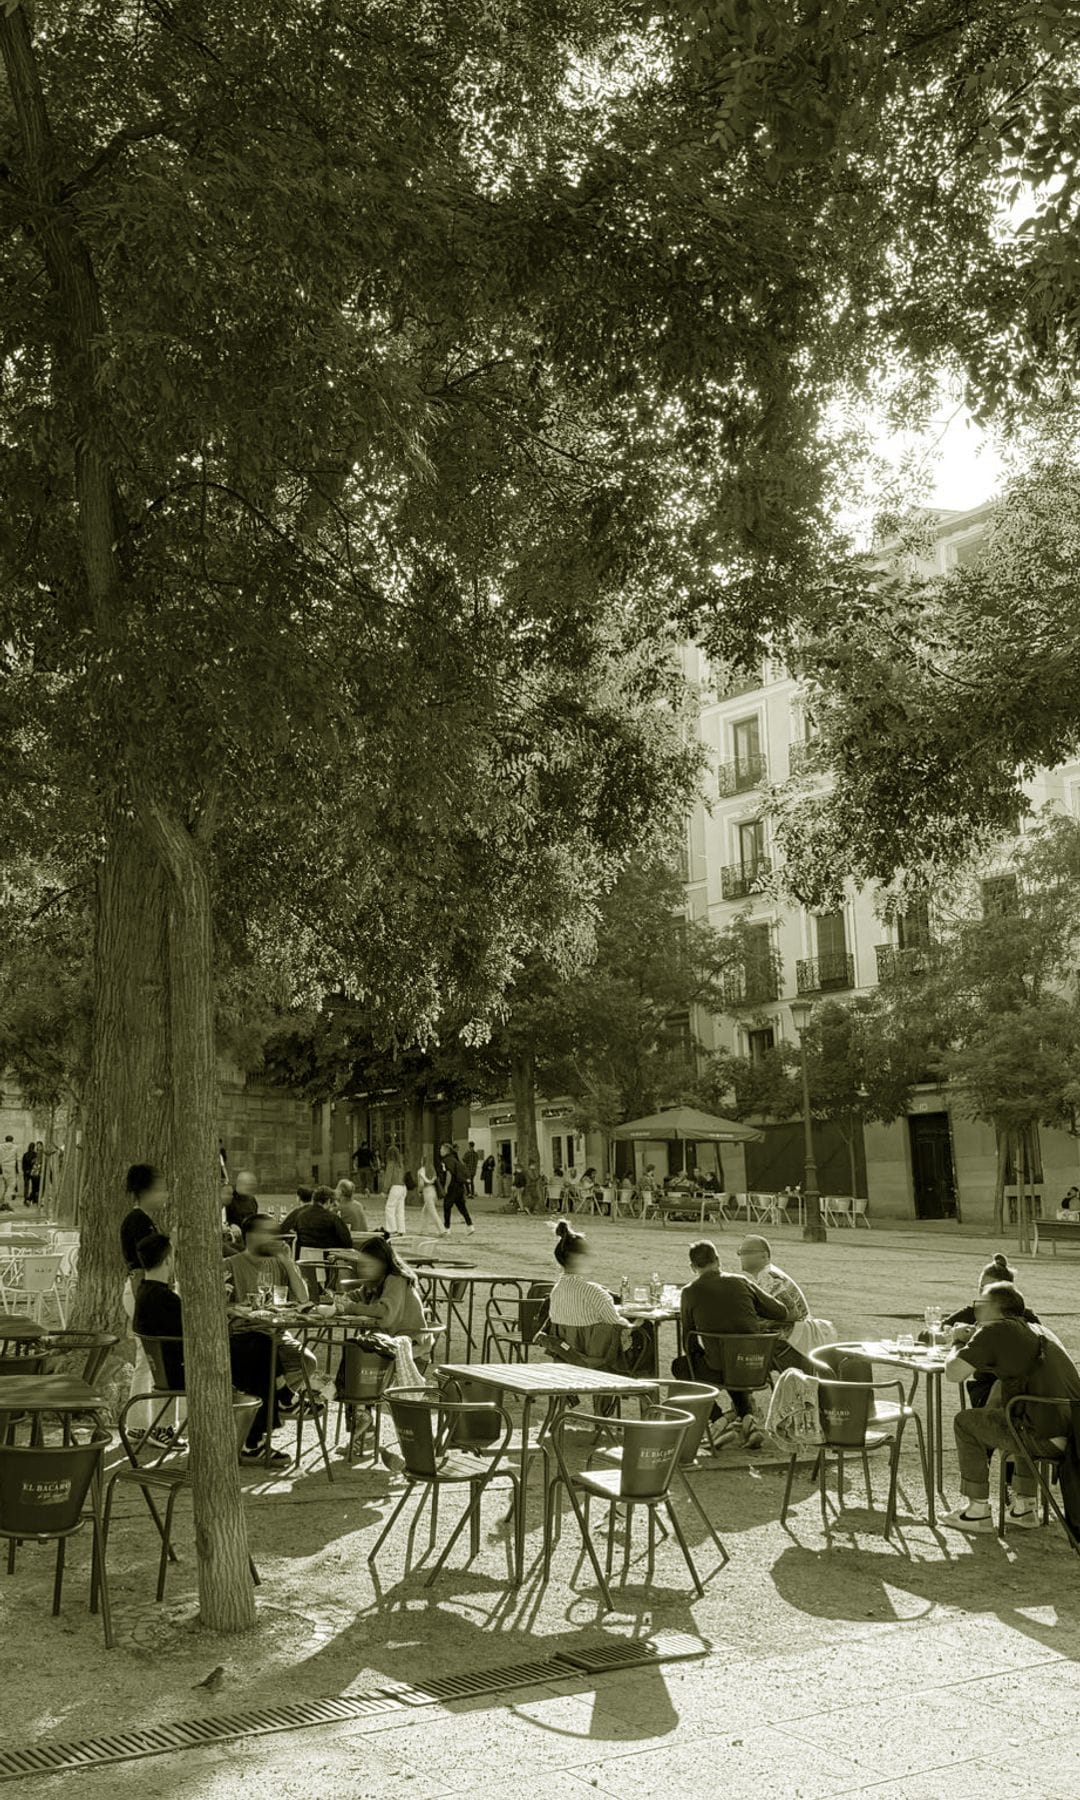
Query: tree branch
x=110 y=152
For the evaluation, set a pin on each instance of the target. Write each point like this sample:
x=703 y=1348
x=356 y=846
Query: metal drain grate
x=471 y=1686
x=161 y=1740
x=625 y=1653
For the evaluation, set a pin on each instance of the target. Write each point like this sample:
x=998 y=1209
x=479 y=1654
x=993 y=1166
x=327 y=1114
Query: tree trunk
x=852 y=1159
x=999 y=1180
x=127 y=1109
x=226 y=1595
x=414 y=1133
x=523 y=1086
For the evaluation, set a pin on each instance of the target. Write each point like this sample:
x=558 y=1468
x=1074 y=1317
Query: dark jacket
x=317 y=1228
x=722 y=1305
x=239 y=1207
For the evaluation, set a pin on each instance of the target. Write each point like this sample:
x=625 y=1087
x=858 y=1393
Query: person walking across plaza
x=430 y=1223
x=396 y=1195
x=454 y=1191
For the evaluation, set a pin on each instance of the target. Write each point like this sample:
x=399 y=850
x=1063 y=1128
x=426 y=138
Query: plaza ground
x=841 y=1665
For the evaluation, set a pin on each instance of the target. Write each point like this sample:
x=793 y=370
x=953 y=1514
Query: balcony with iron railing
x=741 y=776
x=893 y=963
x=751 y=987
x=738 y=881
x=828 y=974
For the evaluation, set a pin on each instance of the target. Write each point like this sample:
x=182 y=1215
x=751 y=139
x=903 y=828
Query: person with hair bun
x=576 y=1299
x=963 y=1322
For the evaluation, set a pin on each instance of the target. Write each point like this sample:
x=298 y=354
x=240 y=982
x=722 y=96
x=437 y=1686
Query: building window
x=913 y=927
x=760 y=1042
x=1000 y=896
x=759 y=973
x=831 y=934
x=751 y=846
x=746 y=739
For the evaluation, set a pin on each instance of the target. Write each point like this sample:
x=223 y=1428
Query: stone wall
x=267 y=1130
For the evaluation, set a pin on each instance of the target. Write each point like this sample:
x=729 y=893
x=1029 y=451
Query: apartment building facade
x=936 y=1164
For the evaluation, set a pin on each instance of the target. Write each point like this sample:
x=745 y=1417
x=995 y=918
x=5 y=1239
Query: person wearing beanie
x=963 y=1324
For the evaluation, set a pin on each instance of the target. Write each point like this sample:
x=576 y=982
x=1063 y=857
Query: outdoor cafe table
x=16 y=1330
x=557 y=1383
x=928 y=1365
x=33 y=1395
x=442 y=1278
x=653 y=1317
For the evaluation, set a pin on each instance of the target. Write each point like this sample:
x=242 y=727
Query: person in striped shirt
x=576 y=1299
x=755 y=1260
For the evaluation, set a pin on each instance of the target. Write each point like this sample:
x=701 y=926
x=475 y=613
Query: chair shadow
x=842 y=1582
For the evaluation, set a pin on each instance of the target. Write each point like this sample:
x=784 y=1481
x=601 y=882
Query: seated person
x=571 y=1193
x=317 y=1227
x=583 y=1320
x=1069 y=1211
x=1020 y=1358
x=387 y=1299
x=349 y=1208
x=716 y=1304
x=963 y=1323
x=265 y=1263
x=159 y=1313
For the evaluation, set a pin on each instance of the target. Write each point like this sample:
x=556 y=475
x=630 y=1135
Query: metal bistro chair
x=697 y=1399
x=739 y=1361
x=170 y=1480
x=43 y=1494
x=365 y=1377
x=1044 y=1469
x=516 y=1339
x=854 y=1422
x=432 y=1433
x=94 y=1345
x=651 y=1450
x=500 y=1313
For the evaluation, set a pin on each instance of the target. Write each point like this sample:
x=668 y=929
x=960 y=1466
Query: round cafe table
x=925 y=1365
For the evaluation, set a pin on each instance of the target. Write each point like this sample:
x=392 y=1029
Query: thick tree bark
x=999 y=1179
x=127 y=1105
x=226 y=1596
x=523 y=1086
x=414 y=1133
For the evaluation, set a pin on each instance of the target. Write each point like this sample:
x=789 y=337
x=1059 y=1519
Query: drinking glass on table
x=281 y=1296
x=905 y=1343
x=641 y=1296
x=932 y=1316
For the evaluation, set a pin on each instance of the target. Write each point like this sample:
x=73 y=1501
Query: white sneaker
x=469 y=1229
x=980 y=1526
x=1028 y=1520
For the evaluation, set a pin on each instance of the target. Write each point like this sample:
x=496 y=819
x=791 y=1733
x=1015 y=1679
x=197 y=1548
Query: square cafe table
x=37 y=1394
x=554 y=1382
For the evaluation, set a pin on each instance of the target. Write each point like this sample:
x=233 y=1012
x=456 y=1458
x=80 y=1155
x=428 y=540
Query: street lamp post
x=802 y=1011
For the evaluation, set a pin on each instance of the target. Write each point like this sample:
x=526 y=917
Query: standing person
x=487 y=1174
x=454 y=1191
x=376 y=1170
x=396 y=1195
x=362 y=1163
x=429 y=1195
x=147 y=1196
x=31 y=1175
x=9 y=1171
x=471 y=1160
x=242 y=1202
